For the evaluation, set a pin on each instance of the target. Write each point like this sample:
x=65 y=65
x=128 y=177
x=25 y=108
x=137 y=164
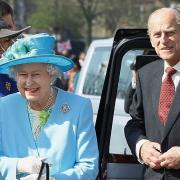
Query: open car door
x=111 y=118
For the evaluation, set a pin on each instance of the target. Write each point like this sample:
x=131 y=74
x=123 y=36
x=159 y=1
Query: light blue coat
x=68 y=139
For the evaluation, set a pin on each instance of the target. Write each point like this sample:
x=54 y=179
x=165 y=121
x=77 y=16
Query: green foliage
x=86 y=18
x=60 y=17
x=42 y=18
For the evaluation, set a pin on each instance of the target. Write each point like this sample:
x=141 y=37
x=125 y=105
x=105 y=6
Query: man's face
x=165 y=36
x=8 y=19
x=6 y=42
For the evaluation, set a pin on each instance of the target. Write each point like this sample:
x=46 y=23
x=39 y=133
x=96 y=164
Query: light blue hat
x=33 y=49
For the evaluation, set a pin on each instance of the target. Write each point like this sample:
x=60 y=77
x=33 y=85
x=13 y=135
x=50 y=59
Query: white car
x=90 y=84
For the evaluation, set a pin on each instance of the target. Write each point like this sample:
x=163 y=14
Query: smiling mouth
x=31 y=91
x=166 y=49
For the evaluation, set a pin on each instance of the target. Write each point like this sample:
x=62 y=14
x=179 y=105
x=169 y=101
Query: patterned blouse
x=38 y=120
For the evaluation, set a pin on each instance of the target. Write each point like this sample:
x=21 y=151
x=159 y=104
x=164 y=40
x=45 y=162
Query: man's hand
x=150 y=153
x=171 y=158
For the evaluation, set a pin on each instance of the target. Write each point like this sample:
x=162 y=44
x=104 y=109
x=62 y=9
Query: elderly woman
x=42 y=123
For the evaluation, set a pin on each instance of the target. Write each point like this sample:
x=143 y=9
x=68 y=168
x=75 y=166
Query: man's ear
x=152 y=42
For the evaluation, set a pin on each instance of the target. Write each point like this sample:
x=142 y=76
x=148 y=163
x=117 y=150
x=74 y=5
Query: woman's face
x=33 y=82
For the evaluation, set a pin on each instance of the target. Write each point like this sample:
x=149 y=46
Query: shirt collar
x=176 y=67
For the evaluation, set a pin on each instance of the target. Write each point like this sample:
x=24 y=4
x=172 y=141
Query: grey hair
x=158 y=10
x=52 y=69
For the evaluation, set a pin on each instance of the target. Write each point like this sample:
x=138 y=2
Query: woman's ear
x=52 y=80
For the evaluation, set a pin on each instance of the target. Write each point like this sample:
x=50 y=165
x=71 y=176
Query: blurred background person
x=73 y=74
x=7 y=34
x=82 y=56
x=131 y=89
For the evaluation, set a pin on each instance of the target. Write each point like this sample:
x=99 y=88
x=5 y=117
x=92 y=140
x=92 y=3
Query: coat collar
x=156 y=84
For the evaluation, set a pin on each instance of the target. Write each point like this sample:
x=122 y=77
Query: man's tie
x=166 y=95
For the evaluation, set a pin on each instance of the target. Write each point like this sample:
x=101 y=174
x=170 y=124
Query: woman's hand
x=29 y=165
x=30 y=177
x=35 y=176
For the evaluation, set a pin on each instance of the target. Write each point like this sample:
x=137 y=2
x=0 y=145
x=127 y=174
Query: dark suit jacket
x=128 y=98
x=145 y=122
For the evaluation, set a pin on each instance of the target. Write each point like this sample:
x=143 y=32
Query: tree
x=90 y=10
x=42 y=18
x=87 y=19
x=59 y=17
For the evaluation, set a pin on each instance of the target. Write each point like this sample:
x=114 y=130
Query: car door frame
x=124 y=40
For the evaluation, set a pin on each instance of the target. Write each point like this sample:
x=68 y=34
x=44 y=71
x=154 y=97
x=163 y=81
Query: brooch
x=65 y=108
x=8 y=86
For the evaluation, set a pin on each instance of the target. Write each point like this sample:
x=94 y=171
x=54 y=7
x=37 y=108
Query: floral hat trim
x=34 y=49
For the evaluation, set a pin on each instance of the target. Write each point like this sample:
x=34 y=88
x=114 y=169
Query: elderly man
x=153 y=133
x=7 y=34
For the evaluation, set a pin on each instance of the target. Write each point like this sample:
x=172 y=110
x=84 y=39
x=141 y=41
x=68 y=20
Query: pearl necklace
x=49 y=101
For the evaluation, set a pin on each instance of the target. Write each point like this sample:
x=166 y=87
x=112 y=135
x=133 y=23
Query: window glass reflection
x=96 y=72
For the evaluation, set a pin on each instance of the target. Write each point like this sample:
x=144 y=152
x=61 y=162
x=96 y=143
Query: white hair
x=52 y=69
x=163 y=9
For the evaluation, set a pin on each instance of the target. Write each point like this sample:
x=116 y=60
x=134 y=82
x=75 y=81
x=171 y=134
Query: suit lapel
x=156 y=84
x=173 y=113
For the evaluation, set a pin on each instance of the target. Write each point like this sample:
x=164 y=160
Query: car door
x=120 y=164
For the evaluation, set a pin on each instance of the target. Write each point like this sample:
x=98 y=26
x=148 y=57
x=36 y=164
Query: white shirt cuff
x=133 y=84
x=138 y=147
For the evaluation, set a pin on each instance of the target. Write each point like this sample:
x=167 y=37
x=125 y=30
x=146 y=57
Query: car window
x=96 y=71
x=120 y=116
x=125 y=74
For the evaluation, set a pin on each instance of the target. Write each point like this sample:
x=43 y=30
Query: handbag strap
x=46 y=165
x=47 y=171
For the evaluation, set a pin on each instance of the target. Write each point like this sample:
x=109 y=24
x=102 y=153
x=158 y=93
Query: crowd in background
x=68 y=80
